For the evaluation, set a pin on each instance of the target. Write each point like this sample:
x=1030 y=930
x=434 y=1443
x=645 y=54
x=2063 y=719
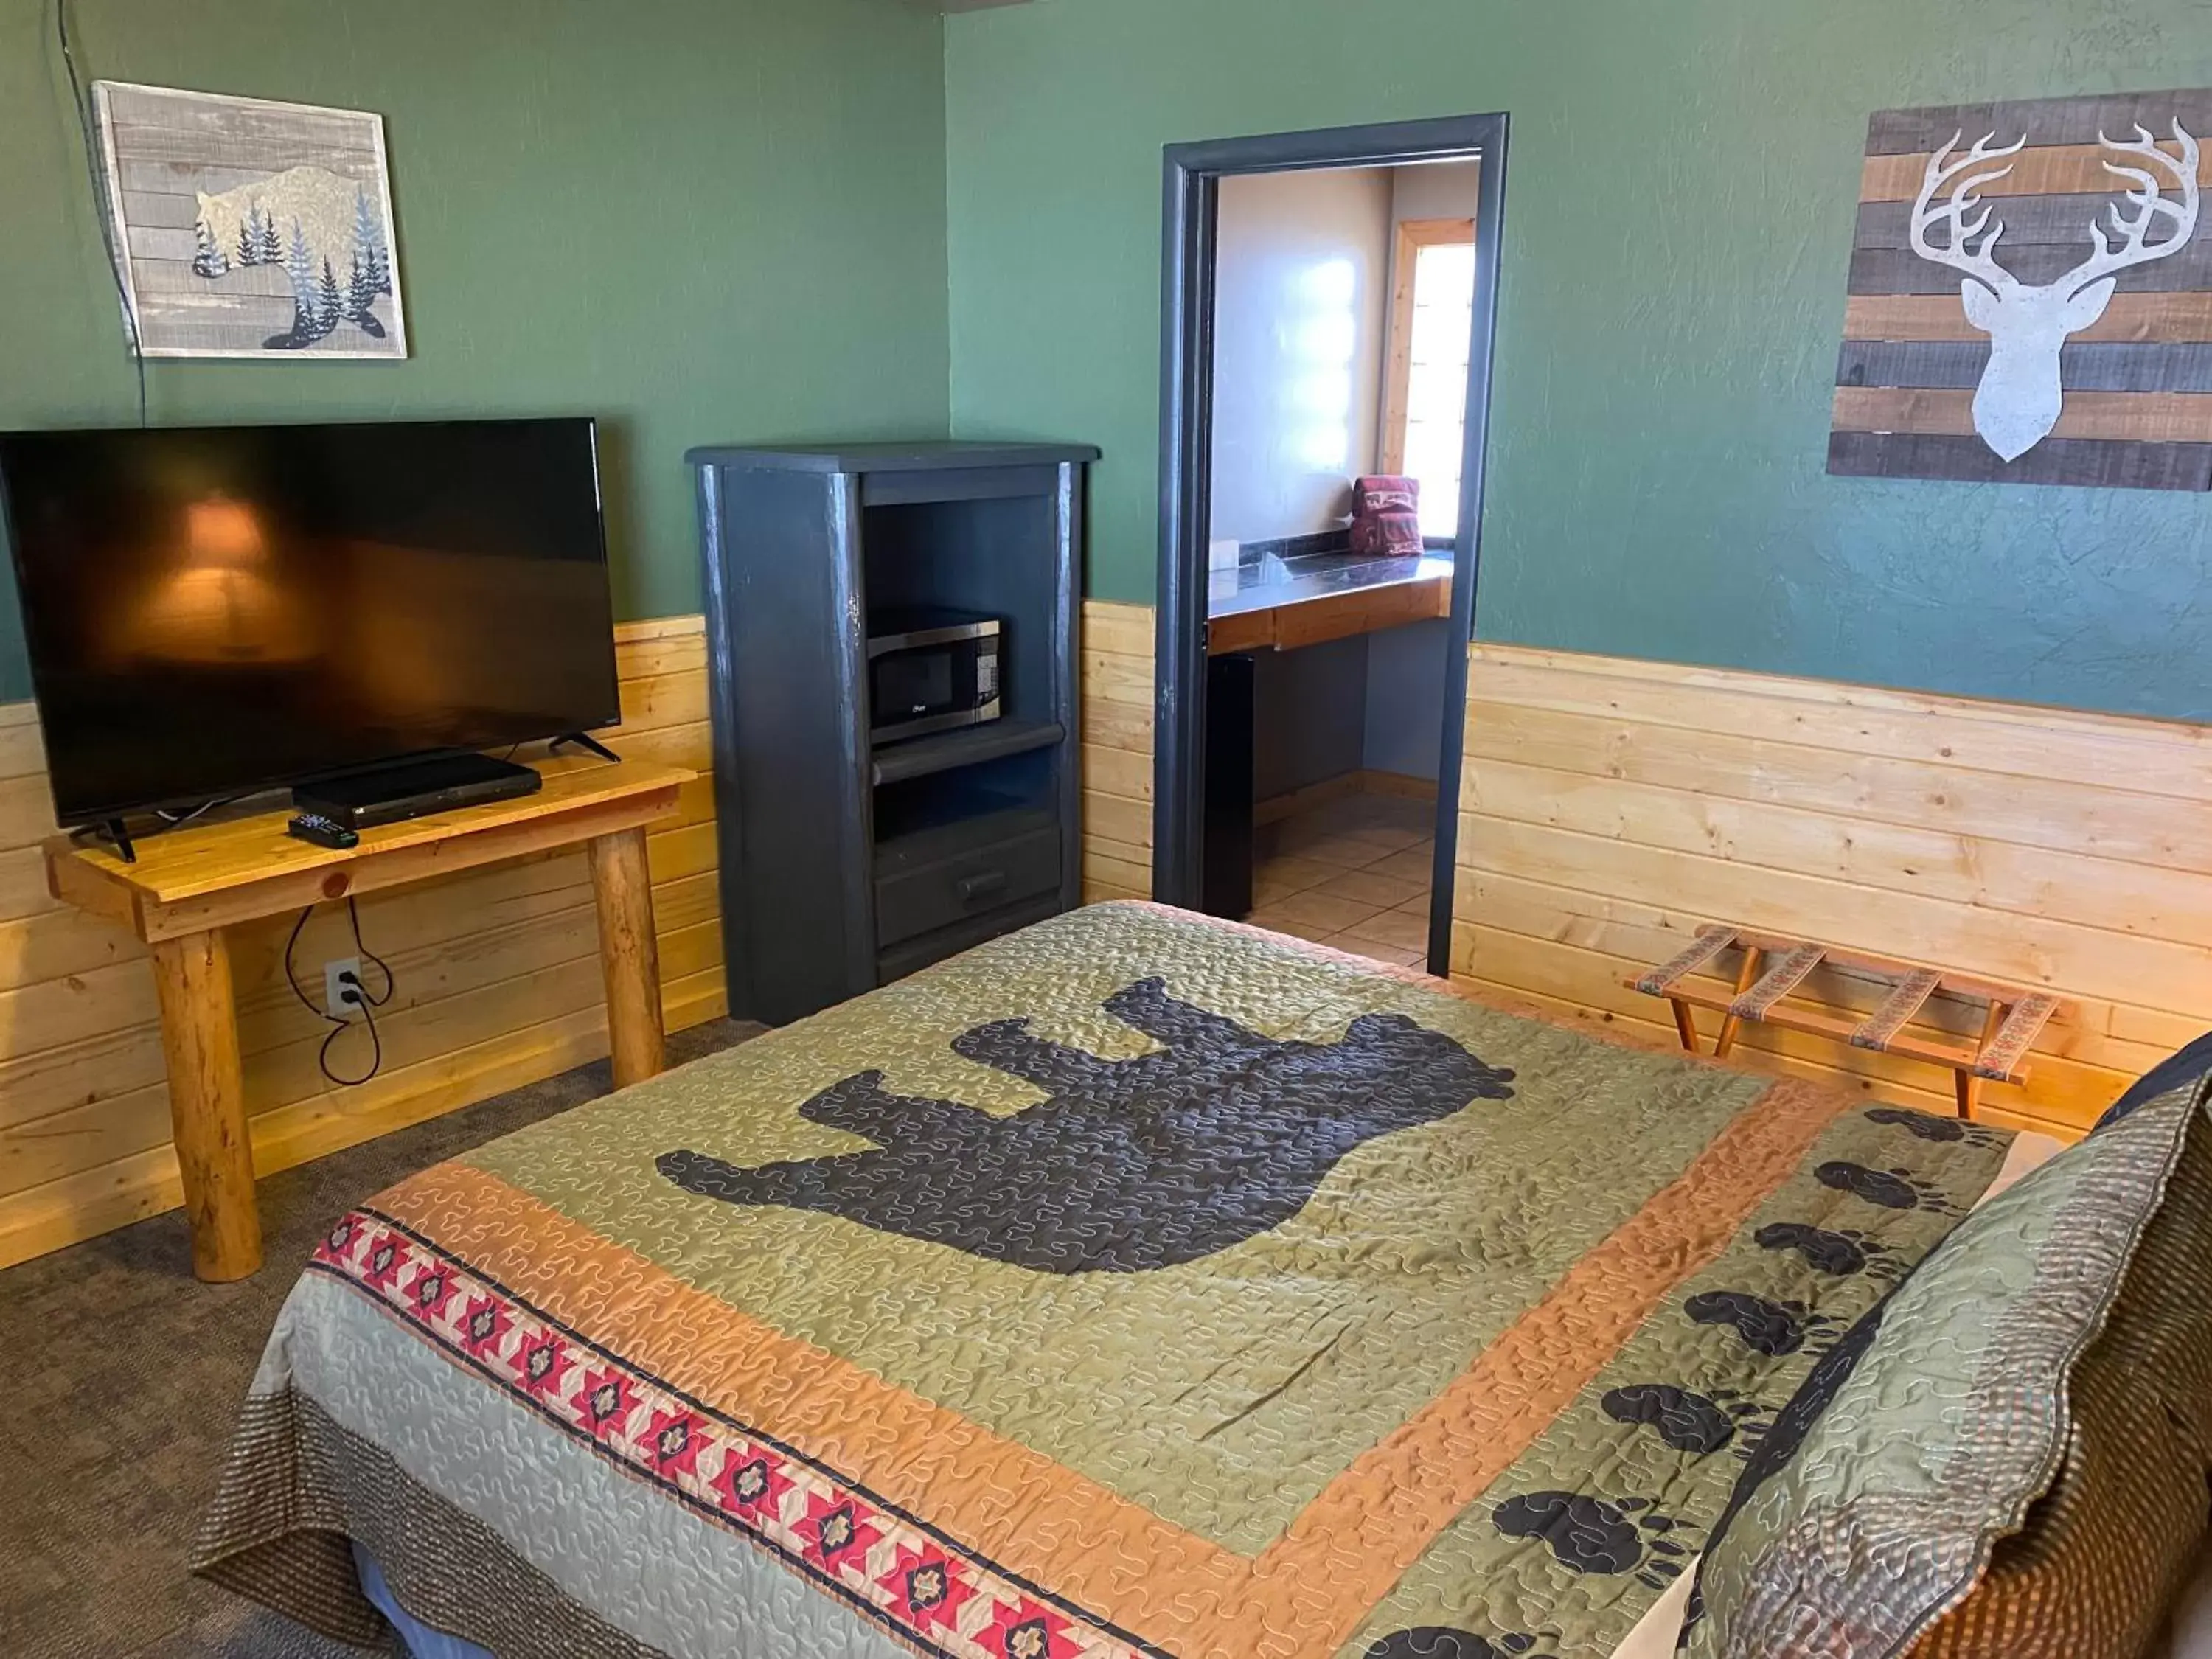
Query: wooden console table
x=189 y=884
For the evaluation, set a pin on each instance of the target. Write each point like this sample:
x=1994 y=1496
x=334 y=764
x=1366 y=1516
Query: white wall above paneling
x=1302 y=275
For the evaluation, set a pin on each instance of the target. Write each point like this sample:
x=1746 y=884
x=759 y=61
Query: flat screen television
x=212 y=611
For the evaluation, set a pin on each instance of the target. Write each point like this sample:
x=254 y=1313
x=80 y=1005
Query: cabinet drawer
x=965 y=884
x=912 y=955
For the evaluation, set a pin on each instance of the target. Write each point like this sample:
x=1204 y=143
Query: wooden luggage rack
x=1774 y=966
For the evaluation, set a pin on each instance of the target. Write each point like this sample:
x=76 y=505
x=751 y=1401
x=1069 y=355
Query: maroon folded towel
x=1386 y=519
x=1387 y=535
x=1385 y=494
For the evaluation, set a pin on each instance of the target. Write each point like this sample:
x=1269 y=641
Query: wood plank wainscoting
x=1609 y=806
x=1117 y=750
x=497 y=985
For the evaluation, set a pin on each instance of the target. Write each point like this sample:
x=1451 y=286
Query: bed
x=1137 y=1284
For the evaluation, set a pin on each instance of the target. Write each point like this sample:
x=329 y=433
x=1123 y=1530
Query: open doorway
x=1329 y=303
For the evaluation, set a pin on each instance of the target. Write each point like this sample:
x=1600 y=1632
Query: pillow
x=2009 y=1455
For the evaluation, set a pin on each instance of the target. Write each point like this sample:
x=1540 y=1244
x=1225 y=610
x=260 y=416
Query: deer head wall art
x=2038 y=310
x=2019 y=397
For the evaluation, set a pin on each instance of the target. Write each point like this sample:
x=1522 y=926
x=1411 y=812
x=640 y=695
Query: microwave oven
x=930 y=670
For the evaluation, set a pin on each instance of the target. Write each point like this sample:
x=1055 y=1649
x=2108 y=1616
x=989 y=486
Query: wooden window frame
x=1414 y=235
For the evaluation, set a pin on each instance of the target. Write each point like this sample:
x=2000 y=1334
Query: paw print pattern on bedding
x=1943 y=1130
x=1219 y=1135
x=1697 y=1424
x=1567 y=1538
x=1844 y=1253
x=1592 y=1534
x=1893 y=1189
x=1773 y=1328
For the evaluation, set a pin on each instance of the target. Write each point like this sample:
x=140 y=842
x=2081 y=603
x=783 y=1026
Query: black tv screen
x=215 y=610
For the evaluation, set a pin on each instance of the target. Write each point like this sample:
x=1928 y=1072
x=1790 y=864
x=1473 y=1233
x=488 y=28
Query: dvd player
x=414 y=789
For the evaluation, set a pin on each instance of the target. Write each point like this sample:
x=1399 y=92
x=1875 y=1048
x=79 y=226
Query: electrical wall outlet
x=339 y=998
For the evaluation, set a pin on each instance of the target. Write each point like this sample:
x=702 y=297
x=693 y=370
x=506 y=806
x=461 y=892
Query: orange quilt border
x=1302 y=1595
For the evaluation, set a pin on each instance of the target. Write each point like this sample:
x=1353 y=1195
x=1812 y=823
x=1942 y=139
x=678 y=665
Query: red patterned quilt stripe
x=939 y=1598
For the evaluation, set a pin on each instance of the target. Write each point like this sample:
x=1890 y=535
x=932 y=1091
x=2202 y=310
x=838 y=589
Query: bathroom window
x=1424 y=399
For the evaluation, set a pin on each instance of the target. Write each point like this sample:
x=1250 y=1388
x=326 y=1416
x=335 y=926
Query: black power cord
x=99 y=207
x=360 y=999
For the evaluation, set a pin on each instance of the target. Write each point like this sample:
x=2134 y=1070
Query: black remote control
x=323 y=832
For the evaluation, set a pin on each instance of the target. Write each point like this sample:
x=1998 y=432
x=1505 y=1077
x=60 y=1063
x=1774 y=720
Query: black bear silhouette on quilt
x=1132 y=1165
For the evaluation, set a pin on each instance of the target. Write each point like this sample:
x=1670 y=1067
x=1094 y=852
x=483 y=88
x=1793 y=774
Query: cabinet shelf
x=970 y=745
x=844 y=865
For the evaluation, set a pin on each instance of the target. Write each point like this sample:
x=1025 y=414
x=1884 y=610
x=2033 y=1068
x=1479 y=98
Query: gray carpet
x=122 y=1373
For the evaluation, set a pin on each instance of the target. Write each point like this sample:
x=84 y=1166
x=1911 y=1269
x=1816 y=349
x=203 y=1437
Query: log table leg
x=629 y=956
x=207 y=1103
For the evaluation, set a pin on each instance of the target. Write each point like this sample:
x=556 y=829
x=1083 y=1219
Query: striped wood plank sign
x=2031 y=296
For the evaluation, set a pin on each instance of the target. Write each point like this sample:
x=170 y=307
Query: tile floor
x=1351 y=873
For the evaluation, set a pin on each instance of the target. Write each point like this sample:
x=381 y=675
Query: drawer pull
x=981 y=887
x=964 y=882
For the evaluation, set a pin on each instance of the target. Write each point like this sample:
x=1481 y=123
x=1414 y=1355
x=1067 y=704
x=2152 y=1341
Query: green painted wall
x=701 y=219
x=1680 y=210
x=708 y=219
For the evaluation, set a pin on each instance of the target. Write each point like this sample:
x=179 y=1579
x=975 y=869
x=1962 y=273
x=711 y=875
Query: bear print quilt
x=1137 y=1284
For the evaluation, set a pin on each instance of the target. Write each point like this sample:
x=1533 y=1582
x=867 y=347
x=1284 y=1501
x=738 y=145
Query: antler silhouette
x=2021 y=393
x=1978 y=263
x=2133 y=246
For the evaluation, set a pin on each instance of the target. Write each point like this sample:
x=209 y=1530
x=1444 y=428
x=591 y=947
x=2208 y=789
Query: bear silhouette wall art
x=1130 y=1165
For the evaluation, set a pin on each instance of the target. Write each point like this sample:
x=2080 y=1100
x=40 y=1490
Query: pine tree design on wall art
x=247 y=229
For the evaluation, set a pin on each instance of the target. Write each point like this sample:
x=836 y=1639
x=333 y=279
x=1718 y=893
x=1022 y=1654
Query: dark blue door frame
x=1191 y=200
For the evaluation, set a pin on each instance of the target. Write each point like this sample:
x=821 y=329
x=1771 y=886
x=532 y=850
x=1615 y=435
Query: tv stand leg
x=582 y=740
x=207 y=1103
x=629 y=955
x=119 y=837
